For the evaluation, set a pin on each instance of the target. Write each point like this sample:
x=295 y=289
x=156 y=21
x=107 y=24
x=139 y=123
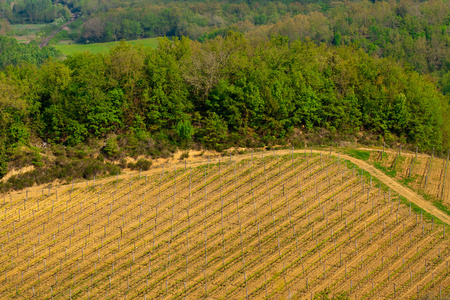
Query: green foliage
x=179 y=94
x=3 y=160
x=100 y=158
x=111 y=149
x=37 y=158
x=184 y=155
x=62 y=169
x=185 y=130
x=14 y=53
x=214 y=132
x=359 y=154
x=34 y=11
x=141 y=164
x=18 y=133
x=228 y=91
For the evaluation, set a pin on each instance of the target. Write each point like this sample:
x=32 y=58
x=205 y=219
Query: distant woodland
x=229 y=73
x=414 y=32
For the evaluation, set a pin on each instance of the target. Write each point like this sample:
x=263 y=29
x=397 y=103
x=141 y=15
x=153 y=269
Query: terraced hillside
x=278 y=227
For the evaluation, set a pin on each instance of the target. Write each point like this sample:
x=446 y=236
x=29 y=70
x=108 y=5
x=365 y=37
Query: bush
x=100 y=158
x=62 y=169
x=141 y=164
x=111 y=149
x=80 y=154
x=123 y=163
x=185 y=130
x=58 y=150
x=3 y=161
x=184 y=155
x=37 y=158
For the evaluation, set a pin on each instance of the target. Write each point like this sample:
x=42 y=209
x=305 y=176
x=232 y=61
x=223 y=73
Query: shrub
x=80 y=154
x=58 y=150
x=3 y=161
x=62 y=169
x=184 y=155
x=123 y=163
x=111 y=149
x=100 y=158
x=185 y=130
x=141 y=164
x=37 y=158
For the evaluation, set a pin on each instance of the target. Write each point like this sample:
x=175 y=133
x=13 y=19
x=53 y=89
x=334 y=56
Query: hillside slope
x=259 y=226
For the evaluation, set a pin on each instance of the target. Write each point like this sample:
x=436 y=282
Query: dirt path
x=396 y=186
x=47 y=39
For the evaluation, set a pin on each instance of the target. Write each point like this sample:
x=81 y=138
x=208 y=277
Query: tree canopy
x=227 y=91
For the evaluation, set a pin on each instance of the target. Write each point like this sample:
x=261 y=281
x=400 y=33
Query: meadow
x=72 y=48
x=258 y=227
x=25 y=33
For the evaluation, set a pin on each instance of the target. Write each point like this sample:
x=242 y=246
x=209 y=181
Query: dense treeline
x=412 y=31
x=33 y=11
x=224 y=92
x=14 y=53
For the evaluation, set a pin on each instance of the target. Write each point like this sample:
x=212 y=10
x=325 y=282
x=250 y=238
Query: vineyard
x=425 y=173
x=262 y=227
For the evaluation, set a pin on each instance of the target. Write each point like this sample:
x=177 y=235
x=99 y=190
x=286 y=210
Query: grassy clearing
x=359 y=154
x=25 y=33
x=29 y=27
x=390 y=172
x=69 y=49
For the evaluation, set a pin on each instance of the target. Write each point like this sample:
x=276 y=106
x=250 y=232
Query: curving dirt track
x=47 y=39
x=399 y=188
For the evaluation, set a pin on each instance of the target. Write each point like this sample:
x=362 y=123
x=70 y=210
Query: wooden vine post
x=412 y=163
x=429 y=167
x=445 y=175
x=398 y=156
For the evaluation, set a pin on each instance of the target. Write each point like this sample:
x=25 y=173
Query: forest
x=33 y=11
x=226 y=91
x=229 y=73
x=414 y=32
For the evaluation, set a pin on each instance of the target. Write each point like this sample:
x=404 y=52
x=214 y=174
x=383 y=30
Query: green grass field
x=25 y=33
x=30 y=27
x=69 y=49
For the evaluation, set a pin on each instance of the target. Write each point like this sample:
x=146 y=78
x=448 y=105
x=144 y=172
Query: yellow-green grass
x=31 y=27
x=25 y=33
x=69 y=49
